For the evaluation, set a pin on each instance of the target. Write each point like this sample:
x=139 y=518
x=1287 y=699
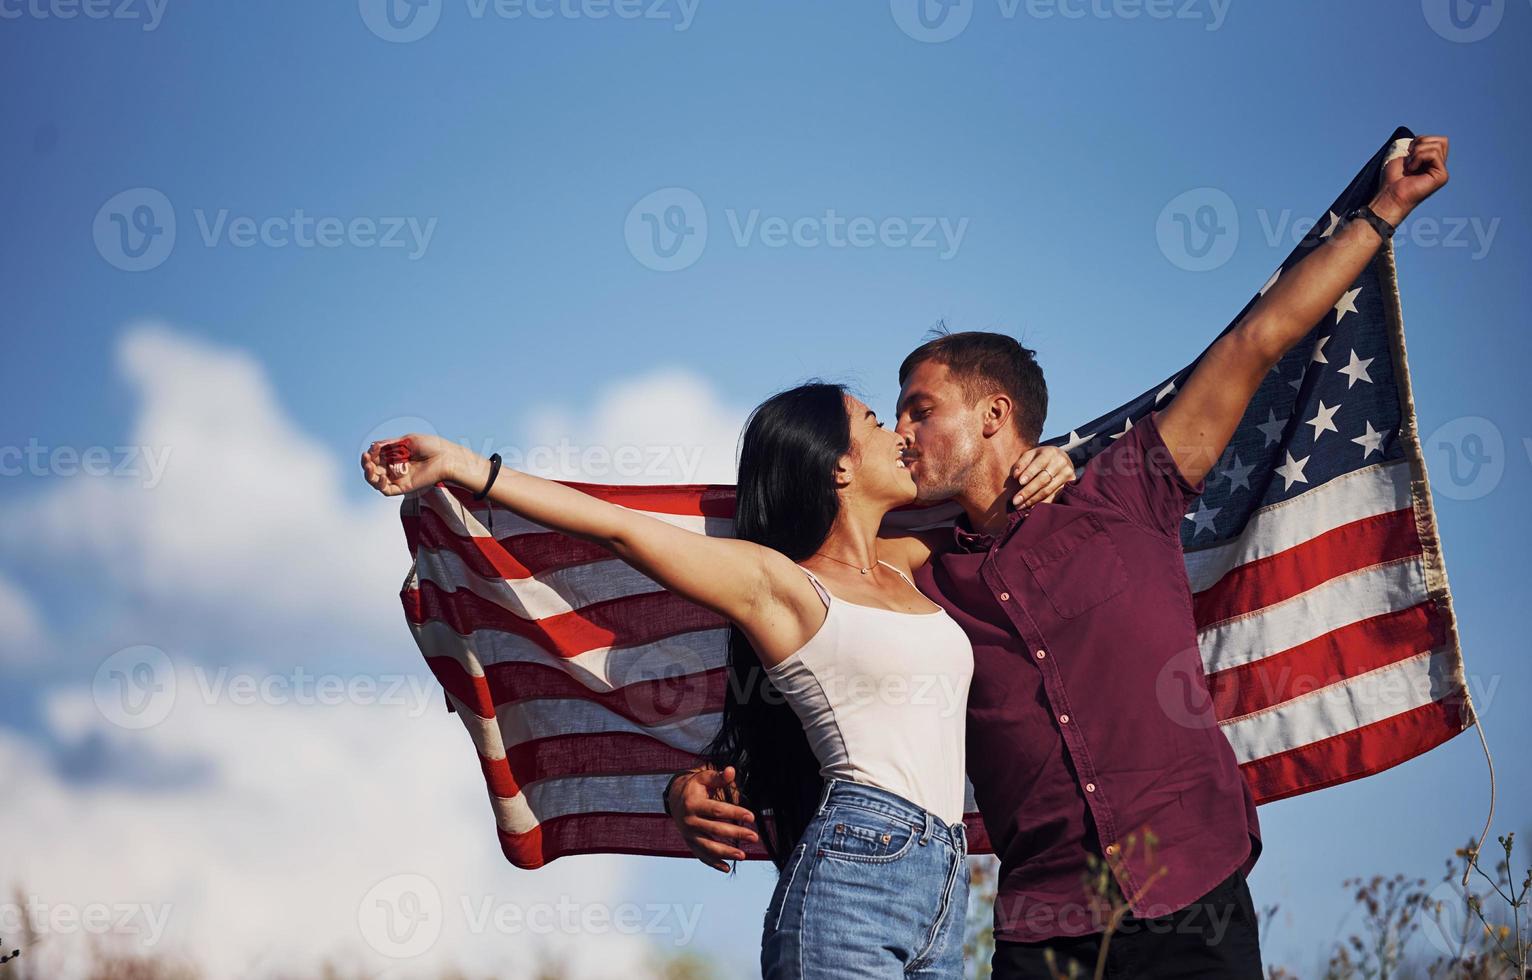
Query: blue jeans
x=877 y=887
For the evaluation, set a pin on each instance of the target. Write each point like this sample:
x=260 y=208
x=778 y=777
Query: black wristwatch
x=1379 y=224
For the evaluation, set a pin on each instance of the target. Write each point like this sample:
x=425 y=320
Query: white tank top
x=883 y=699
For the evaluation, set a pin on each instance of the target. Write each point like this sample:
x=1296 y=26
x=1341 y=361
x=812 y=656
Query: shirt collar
x=967 y=539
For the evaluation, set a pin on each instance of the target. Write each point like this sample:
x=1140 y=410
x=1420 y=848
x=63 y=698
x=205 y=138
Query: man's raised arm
x=1202 y=418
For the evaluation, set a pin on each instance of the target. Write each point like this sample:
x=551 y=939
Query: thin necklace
x=848 y=564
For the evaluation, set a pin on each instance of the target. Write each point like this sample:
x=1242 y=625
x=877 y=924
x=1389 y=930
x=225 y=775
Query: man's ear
x=997 y=413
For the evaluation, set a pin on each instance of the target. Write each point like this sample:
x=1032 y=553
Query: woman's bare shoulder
x=912 y=549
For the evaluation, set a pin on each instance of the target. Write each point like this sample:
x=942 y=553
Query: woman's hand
x=411 y=462
x=1041 y=472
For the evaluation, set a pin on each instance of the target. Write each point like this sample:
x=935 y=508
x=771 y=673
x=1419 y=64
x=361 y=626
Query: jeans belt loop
x=925 y=832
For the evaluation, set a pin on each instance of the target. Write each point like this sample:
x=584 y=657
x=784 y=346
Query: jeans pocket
x=852 y=833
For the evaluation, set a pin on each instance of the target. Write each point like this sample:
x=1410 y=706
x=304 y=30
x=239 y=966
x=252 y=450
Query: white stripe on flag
x=525 y=721
x=463 y=521
x=1343 y=600
x=1378 y=489
x=550 y=799
x=601 y=669
x=1344 y=706
x=549 y=593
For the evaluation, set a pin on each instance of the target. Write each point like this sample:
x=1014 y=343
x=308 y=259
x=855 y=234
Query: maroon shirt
x=1083 y=737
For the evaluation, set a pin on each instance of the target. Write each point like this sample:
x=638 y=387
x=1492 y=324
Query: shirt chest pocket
x=1077 y=567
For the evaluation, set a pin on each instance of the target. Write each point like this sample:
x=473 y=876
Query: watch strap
x=1379 y=224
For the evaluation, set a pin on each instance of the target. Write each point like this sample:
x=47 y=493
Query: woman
x=845 y=712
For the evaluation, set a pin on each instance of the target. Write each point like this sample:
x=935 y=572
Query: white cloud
x=669 y=426
x=284 y=819
x=266 y=866
x=233 y=507
x=21 y=632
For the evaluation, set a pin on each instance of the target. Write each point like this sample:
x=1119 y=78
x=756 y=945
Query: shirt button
x=1041 y=654
x=1090 y=787
x=1005 y=597
x=1063 y=719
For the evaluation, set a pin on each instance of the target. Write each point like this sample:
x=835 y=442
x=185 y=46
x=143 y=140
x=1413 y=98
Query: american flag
x=1325 y=624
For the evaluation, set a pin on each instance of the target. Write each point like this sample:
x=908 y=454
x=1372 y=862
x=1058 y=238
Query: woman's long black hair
x=785 y=500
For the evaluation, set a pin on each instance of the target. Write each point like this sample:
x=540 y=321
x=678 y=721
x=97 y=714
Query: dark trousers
x=1216 y=936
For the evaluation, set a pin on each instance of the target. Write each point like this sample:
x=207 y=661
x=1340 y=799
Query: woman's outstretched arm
x=741 y=581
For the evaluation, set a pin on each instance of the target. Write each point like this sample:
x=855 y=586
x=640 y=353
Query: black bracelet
x=665 y=797
x=1379 y=224
x=494 y=471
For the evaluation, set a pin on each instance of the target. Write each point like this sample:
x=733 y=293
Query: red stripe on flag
x=1346 y=652
x=1356 y=753
x=681 y=500
x=516 y=556
x=601 y=754
x=657 y=701
x=626 y=621
x=1348 y=548
x=597 y=832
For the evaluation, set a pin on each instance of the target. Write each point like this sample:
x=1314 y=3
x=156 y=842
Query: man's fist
x=1412 y=178
x=704 y=805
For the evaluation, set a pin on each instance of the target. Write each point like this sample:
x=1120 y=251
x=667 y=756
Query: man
x=1092 y=794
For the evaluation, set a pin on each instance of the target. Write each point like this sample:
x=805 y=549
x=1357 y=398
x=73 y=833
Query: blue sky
x=488 y=271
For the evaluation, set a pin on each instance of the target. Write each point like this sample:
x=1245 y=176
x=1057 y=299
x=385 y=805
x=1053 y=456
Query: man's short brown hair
x=983 y=363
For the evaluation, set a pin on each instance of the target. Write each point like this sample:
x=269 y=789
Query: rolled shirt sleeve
x=1139 y=477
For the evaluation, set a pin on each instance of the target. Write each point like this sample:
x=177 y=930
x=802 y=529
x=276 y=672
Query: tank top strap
x=823 y=592
x=900 y=574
